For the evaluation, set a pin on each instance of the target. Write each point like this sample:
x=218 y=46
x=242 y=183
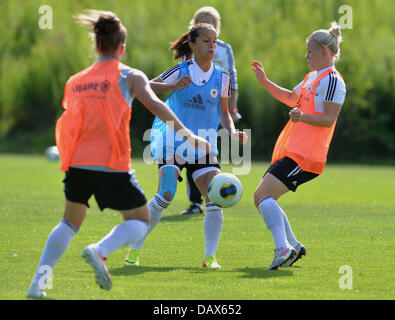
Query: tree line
x=35 y=63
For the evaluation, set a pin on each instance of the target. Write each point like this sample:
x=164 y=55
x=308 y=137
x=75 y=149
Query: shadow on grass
x=261 y=273
x=125 y=270
x=258 y=273
x=181 y=218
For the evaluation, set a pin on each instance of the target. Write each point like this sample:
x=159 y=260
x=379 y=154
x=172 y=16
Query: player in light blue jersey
x=223 y=58
x=199 y=97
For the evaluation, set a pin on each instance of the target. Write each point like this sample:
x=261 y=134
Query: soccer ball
x=225 y=190
x=52 y=153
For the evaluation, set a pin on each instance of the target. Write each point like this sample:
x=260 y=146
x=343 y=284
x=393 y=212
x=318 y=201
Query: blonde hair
x=329 y=39
x=211 y=11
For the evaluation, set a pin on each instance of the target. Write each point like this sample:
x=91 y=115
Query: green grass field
x=344 y=218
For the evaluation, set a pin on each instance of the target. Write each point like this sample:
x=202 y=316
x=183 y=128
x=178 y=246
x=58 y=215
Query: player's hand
x=295 y=115
x=183 y=82
x=236 y=116
x=240 y=136
x=198 y=142
x=259 y=71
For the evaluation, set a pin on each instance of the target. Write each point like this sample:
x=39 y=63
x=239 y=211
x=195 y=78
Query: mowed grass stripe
x=344 y=218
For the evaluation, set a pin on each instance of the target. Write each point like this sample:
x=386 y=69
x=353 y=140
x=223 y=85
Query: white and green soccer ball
x=225 y=190
x=52 y=153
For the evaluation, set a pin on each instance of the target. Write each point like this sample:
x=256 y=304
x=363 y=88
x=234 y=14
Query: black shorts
x=209 y=161
x=289 y=173
x=118 y=191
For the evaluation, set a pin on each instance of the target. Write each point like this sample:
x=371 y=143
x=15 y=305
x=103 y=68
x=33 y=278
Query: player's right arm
x=281 y=94
x=159 y=86
x=139 y=87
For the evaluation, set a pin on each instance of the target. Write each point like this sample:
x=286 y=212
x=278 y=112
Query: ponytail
x=329 y=39
x=107 y=30
x=181 y=46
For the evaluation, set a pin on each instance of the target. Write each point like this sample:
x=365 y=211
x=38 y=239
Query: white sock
x=213 y=222
x=288 y=230
x=122 y=235
x=56 y=245
x=157 y=205
x=273 y=216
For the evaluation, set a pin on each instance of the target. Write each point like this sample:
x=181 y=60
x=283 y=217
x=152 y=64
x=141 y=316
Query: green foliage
x=36 y=63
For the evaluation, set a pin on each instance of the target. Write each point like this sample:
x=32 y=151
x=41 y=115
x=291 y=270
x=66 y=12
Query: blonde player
x=301 y=149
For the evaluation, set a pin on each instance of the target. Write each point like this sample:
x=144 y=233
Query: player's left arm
x=233 y=102
x=325 y=119
x=228 y=124
x=233 y=74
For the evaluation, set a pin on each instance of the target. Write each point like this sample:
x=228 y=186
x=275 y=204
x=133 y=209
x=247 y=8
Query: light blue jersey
x=198 y=109
x=224 y=58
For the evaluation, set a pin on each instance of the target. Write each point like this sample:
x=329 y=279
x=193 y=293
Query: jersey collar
x=209 y=70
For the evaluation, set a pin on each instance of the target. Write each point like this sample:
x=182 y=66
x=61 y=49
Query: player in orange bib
x=94 y=145
x=301 y=149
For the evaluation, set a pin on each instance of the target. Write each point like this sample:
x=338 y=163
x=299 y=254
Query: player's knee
x=257 y=197
x=168 y=183
x=260 y=194
x=168 y=196
x=168 y=191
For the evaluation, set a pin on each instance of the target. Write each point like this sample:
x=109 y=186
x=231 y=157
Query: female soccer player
x=199 y=98
x=93 y=139
x=301 y=149
x=223 y=58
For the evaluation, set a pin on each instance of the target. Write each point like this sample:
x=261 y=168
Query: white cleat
x=300 y=251
x=281 y=256
x=96 y=261
x=35 y=292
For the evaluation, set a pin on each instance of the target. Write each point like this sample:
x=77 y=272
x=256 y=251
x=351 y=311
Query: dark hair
x=108 y=31
x=181 y=47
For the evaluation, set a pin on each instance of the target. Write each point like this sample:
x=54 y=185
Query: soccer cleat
x=211 y=263
x=193 y=208
x=35 y=292
x=281 y=256
x=96 y=261
x=300 y=251
x=133 y=257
